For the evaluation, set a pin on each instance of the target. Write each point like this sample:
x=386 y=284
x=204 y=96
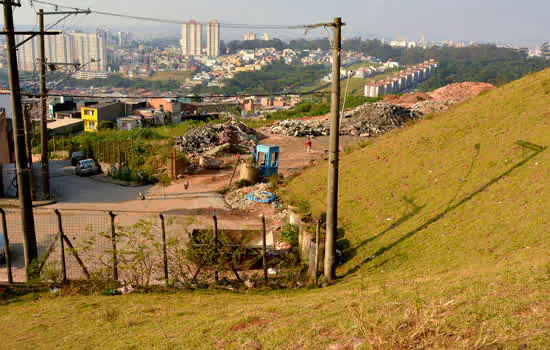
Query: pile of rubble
x=460 y=91
x=300 y=128
x=375 y=119
x=433 y=106
x=209 y=136
x=238 y=199
x=441 y=99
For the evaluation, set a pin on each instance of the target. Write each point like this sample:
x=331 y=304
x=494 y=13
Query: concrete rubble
x=300 y=128
x=373 y=119
x=209 y=136
x=366 y=120
x=441 y=99
x=237 y=199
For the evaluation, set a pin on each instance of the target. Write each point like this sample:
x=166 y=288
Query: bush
x=242 y=183
x=289 y=234
x=106 y=125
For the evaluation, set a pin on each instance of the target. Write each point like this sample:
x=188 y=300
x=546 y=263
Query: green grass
x=447 y=244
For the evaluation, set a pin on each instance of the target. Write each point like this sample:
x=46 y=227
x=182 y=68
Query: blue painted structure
x=267 y=157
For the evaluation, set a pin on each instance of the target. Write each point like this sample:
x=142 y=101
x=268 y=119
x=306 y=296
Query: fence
x=138 y=247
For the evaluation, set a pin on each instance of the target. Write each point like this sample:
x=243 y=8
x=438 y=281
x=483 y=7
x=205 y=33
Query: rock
x=250 y=284
x=226 y=147
x=375 y=119
x=209 y=162
x=209 y=136
x=299 y=128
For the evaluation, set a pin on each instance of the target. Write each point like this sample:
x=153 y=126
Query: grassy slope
x=478 y=275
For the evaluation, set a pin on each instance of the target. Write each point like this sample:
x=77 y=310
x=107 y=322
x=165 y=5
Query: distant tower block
x=213 y=39
x=191 y=38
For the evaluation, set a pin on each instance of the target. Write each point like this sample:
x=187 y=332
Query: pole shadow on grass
x=537 y=150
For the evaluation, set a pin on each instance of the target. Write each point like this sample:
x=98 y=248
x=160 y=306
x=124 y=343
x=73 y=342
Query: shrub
x=106 y=125
x=289 y=234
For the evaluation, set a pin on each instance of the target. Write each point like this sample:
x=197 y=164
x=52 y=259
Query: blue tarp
x=270 y=197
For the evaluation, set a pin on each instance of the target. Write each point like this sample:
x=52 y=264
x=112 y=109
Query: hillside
x=446 y=233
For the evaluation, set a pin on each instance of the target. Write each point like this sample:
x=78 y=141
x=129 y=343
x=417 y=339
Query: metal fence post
x=216 y=273
x=113 y=242
x=61 y=246
x=264 y=252
x=164 y=254
x=6 y=245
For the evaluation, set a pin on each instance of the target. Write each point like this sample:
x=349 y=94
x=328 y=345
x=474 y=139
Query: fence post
x=317 y=244
x=6 y=245
x=164 y=254
x=61 y=246
x=113 y=242
x=216 y=274
x=264 y=252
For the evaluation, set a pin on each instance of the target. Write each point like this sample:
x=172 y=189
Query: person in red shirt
x=308 y=145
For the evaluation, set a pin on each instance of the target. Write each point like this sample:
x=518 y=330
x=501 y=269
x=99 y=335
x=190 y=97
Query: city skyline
x=466 y=20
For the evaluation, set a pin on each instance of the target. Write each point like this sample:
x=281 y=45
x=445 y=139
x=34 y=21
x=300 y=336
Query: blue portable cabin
x=267 y=157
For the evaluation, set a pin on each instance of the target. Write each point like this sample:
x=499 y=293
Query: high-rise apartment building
x=213 y=39
x=88 y=49
x=191 y=38
x=124 y=39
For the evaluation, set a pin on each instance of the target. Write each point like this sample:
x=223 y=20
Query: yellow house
x=89 y=115
x=94 y=114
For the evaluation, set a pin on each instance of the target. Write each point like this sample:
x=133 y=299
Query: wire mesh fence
x=139 y=248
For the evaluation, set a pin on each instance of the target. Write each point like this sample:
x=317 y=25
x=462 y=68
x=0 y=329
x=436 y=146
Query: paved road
x=70 y=188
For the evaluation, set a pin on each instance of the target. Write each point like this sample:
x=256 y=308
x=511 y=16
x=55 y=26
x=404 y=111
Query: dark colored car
x=86 y=167
x=76 y=157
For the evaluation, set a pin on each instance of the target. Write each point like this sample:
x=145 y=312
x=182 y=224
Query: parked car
x=2 y=252
x=86 y=167
x=76 y=157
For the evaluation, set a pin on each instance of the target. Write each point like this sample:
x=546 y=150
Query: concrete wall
x=4 y=146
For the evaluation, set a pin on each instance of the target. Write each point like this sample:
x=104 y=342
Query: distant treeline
x=484 y=63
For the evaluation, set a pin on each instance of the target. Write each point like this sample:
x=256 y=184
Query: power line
x=172 y=21
x=91 y=96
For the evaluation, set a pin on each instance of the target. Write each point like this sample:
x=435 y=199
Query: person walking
x=308 y=145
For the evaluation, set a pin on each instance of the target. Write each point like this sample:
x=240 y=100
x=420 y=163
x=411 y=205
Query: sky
x=498 y=21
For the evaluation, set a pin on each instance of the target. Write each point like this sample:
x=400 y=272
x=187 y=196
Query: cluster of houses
x=402 y=81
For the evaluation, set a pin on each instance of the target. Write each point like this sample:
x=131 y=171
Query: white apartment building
x=65 y=48
x=191 y=39
x=213 y=39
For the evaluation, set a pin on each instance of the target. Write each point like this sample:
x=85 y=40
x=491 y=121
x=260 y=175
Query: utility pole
x=27 y=124
x=44 y=167
x=23 y=184
x=332 y=196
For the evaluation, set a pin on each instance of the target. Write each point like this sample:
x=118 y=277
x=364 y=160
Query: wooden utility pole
x=27 y=125
x=23 y=183
x=44 y=167
x=332 y=197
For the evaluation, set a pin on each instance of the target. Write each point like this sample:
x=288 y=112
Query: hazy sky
x=524 y=21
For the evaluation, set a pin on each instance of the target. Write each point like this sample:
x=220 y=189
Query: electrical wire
x=91 y=96
x=172 y=21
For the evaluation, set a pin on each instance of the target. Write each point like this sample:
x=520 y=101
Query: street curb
x=14 y=203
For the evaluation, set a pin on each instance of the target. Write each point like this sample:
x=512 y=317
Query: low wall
x=307 y=244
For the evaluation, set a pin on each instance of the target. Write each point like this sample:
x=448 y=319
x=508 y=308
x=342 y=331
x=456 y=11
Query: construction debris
x=238 y=199
x=441 y=99
x=209 y=162
x=373 y=119
x=209 y=136
x=299 y=128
